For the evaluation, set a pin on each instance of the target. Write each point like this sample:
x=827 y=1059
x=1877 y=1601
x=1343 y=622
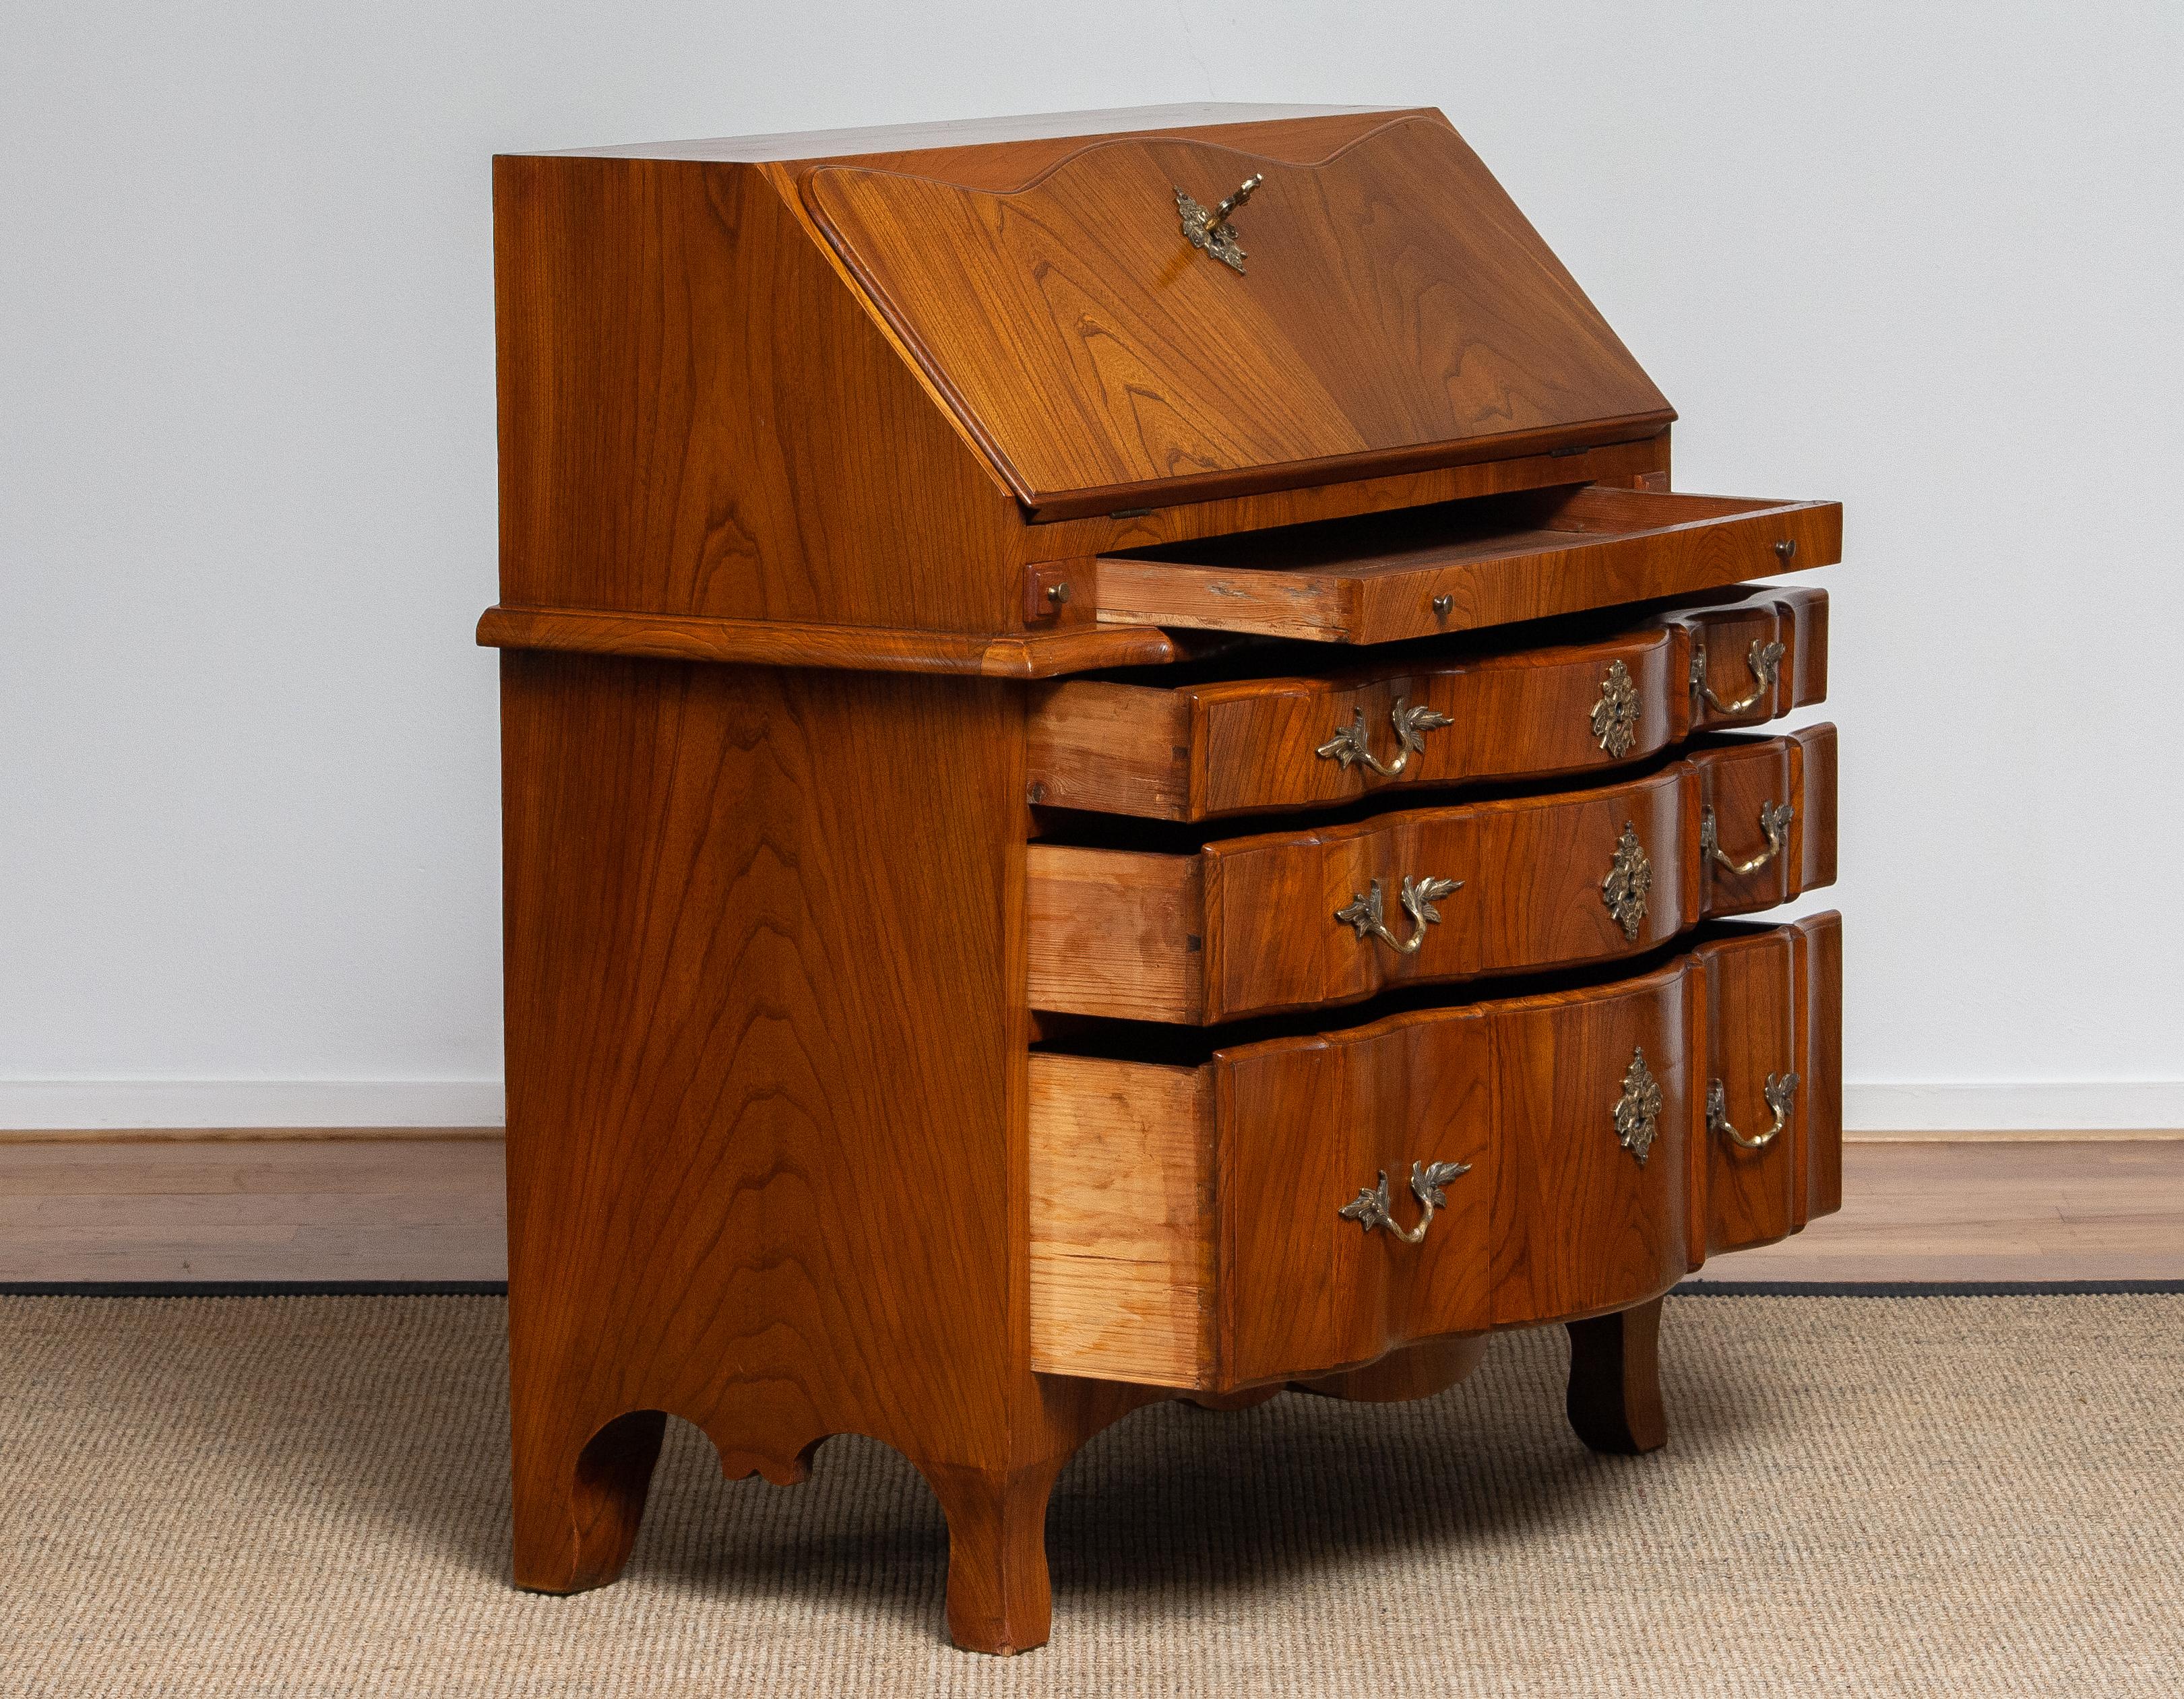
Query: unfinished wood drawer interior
x=1335 y=914
x=1578 y=696
x=1467 y=564
x=1291 y=1208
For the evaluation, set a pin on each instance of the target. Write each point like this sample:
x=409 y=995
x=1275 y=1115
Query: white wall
x=1926 y=261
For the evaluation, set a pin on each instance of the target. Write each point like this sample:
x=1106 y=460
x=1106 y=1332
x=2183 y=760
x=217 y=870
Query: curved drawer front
x=1226 y=1224
x=1295 y=919
x=1196 y=751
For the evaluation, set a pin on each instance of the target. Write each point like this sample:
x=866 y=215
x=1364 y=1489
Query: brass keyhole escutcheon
x=1212 y=232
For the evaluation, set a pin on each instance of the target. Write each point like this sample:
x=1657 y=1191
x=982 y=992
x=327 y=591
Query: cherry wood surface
x=1153 y=1183
x=1418 y=1371
x=822 y=461
x=1197 y=752
x=1614 y=1400
x=701 y=414
x=783 y=643
x=1470 y=564
x=765 y=1061
x=1757 y=997
x=1252 y=924
x=1397 y=311
x=697 y=415
x=1642 y=464
x=1299 y=136
x=1819 y=1129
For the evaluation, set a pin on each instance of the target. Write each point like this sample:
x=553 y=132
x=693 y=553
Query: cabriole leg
x=1615 y=1381
x=575 y=1524
x=998 y=1597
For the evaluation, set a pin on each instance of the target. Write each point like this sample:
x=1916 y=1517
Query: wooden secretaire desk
x=1121 y=775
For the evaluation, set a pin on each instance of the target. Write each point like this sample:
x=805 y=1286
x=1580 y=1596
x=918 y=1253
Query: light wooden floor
x=2091 y=1210
x=250 y=1209
x=432 y=1209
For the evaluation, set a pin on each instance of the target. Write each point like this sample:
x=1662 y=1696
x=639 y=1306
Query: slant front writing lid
x=1393 y=310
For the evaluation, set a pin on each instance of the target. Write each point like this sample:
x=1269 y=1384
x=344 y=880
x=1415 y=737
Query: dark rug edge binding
x=1688 y=1289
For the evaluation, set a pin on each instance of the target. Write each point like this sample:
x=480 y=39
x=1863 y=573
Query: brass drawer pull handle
x=1765 y=660
x=1418 y=896
x=1371 y=1208
x=1780 y=1091
x=1347 y=748
x=1774 y=820
x=1212 y=231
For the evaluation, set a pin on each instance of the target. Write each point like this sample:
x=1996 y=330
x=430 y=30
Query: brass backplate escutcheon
x=1615 y=715
x=1629 y=883
x=1638 y=1110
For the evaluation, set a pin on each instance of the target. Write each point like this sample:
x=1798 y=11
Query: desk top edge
x=785 y=643
x=972 y=132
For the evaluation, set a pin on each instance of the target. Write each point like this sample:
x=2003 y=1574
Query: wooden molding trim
x=778 y=643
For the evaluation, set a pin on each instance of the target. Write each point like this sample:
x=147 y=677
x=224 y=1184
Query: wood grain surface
x=1470 y=565
x=1639 y=464
x=1197 y=752
x=1116 y=1291
x=786 y=643
x=1104 y=362
x=821 y=462
x=1754 y=1005
x=764 y=1064
x=1554 y=1218
x=698 y=415
x=1614 y=1399
x=1110 y=932
x=1248 y=926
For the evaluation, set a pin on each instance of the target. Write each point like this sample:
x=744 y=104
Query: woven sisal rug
x=307 y=1496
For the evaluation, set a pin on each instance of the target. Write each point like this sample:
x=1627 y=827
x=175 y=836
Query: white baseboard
x=2078 y=1106
x=85 y=1105
x=88 y=1105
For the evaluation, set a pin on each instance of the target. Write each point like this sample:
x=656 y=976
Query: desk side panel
x=697 y=415
x=766 y=1065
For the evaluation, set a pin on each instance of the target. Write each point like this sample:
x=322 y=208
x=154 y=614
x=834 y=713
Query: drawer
x=1439 y=714
x=1247 y=926
x=1760 y=1184
x=1465 y=565
x=1262 y=1215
